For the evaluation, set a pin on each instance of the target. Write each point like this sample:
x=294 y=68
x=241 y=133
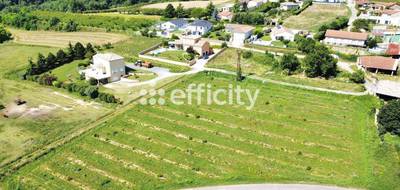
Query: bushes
x=5 y=35
x=90 y=91
x=389 y=118
x=252 y=18
x=247 y=54
x=289 y=63
x=357 y=77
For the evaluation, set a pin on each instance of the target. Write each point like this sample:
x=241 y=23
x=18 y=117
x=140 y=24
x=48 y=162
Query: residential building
x=226 y=7
x=107 y=67
x=330 y=1
x=362 y=3
x=198 y=27
x=378 y=63
x=225 y=15
x=202 y=47
x=172 y=25
x=254 y=4
x=387 y=89
x=345 y=38
x=282 y=33
x=239 y=33
x=289 y=6
x=385 y=17
x=393 y=50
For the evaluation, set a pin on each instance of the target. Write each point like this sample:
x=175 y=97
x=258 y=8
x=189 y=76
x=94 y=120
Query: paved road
x=272 y=187
x=352 y=5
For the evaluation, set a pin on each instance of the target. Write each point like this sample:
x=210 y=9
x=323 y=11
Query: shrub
x=357 y=77
x=92 y=81
x=57 y=84
x=224 y=45
x=389 y=118
x=247 y=54
x=92 y=92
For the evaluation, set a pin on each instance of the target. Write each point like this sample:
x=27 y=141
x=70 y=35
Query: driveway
x=272 y=187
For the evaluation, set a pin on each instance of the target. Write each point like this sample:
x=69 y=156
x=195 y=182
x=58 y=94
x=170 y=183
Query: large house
x=282 y=33
x=344 y=38
x=385 y=17
x=198 y=27
x=107 y=67
x=378 y=63
x=172 y=25
x=239 y=33
x=202 y=47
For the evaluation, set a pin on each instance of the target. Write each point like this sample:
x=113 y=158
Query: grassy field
x=186 y=4
x=68 y=71
x=260 y=65
x=61 y=39
x=315 y=16
x=131 y=47
x=128 y=16
x=330 y=141
x=48 y=114
x=174 y=55
x=273 y=49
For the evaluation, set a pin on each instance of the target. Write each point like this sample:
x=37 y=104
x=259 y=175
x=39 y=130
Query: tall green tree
x=180 y=11
x=236 y=6
x=210 y=9
x=61 y=57
x=80 y=51
x=389 y=118
x=5 y=35
x=319 y=63
x=169 y=11
x=290 y=63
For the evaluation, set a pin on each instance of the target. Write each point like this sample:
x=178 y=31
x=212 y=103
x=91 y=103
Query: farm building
x=387 y=89
x=282 y=33
x=239 y=33
x=107 y=67
x=344 y=38
x=200 y=46
x=198 y=27
x=172 y=25
x=378 y=63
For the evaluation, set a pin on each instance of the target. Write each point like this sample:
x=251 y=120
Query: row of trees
x=44 y=64
x=252 y=18
x=337 y=24
x=180 y=12
x=5 y=35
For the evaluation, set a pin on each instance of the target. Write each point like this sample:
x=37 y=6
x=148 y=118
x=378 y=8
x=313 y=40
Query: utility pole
x=239 y=76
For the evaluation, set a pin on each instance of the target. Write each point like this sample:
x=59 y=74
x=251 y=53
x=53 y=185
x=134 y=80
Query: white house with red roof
x=345 y=38
x=225 y=15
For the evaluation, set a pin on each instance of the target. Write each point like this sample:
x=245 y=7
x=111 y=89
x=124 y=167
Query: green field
x=330 y=140
x=48 y=115
x=174 y=55
x=262 y=66
x=315 y=16
x=68 y=71
x=131 y=47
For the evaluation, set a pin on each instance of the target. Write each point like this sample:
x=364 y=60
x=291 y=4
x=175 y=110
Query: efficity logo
x=198 y=94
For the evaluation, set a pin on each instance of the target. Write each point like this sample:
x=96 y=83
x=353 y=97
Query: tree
x=197 y=13
x=319 y=63
x=180 y=11
x=224 y=45
x=5 y=35
x=210 y=9
x=169 y=11
x=371 y=42
x=361 y=24
x=92 y=92
x=71 y=51
x=90 y=52
x=80 y=51
x=289 y=62
x=41 y=62
x=51 y=60
x=357 y=77
x=61 y=57
x=236 y=6
x=389 y=118
x=305 y=45
x=71 y=26
x=239 y=76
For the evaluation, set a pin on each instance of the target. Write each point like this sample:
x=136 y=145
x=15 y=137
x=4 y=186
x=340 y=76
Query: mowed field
x=47 y=115
x=186 y=4
x=291 y=135
x=61 y=39
x=315 y=16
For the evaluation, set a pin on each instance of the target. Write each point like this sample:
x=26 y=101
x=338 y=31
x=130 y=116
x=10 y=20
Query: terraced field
x=290 y=135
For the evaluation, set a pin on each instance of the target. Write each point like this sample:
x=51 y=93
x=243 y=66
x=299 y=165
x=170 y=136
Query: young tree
x=389 y=118
x=239 y=76
x=5 y=35
x=80 y=51
x=51 y=60
x=371 y=42
x=289 y=62
x=357 y=77
x=71 y=51
x=236 y=6
x=71 y=26
x=319 y=63
x=41 y=62
x=61 y=57
x=210 y=9
x=90 y=52
x=169 y=11
x=180 y=11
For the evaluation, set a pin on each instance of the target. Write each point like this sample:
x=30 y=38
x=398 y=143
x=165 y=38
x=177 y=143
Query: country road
x=271 y=187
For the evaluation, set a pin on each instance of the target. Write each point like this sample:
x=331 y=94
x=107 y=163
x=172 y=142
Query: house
x=344 y=38
x=202 y=47
x=254 y=4
x=107 y=67
x=239 y=33
x=172 y=25
x=282 y=33
x=225 y=15
x=198 y=27
x=385 y=17
x=226 y=7
x=393 y=50
x=289 y=6
x=377 y=63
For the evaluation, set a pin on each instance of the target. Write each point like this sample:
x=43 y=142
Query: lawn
x=330 y=140
x=261 y=65
x=141 y=75
x=131 y=47
x=315 y=16
x=174 y=55
x=61 y=39
x=273 y=49
x=48 y=115
x=68 y=71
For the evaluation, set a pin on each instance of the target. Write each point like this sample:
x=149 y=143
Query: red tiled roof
x=378 y=62
x=390 y=12
x=346 y=35
x=393 y=49
x=225 y=14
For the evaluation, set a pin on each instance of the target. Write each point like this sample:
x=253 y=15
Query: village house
x=107 y=67
x=345 y=38
x=226 y=7
x=225 y=15
x=289 y=6
x=385 y=17
x=239 y=33
x=330 y=1
x=282 y=33
x=254 y=4
x=378 y=63
x=362 y=3
x=202 y=47
x=198 y=27
x=172 y=25
x=393 y=50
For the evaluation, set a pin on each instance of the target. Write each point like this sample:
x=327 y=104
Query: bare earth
x=61 y=39
x=186 y=4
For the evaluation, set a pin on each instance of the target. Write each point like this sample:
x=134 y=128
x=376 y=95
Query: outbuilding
x=378 y=63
